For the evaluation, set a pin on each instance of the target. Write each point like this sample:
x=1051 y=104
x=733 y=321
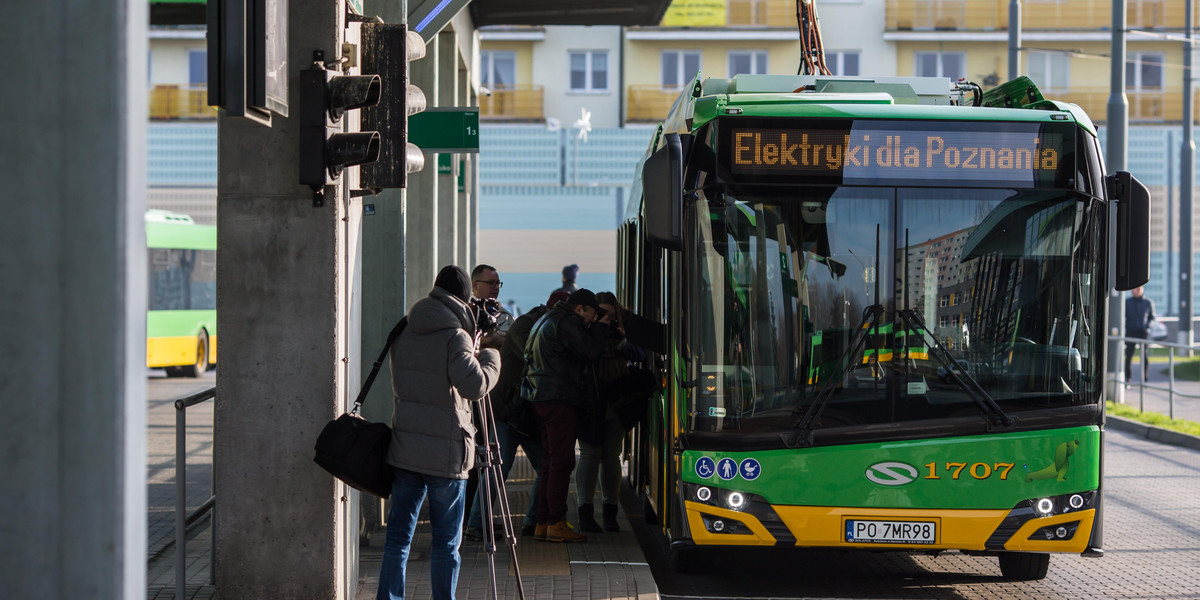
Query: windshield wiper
x=992 y=411
x=801 y=433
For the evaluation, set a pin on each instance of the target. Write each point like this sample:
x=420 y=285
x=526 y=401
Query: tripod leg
x=496 y=477
x=484 y=465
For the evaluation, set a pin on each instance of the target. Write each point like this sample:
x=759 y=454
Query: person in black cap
x=562 y=347
x=569 y=274
x=436 y=375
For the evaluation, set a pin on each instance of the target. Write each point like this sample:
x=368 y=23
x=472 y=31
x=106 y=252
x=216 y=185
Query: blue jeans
x=509 y=441
x=445 y=515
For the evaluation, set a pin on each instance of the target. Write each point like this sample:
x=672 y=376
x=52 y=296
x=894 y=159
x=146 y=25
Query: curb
x=1153 y=433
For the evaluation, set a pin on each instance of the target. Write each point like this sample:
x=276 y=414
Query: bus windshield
x=946 y=288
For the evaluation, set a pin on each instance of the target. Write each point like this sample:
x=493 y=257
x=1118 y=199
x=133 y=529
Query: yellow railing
x=993 y=14
x=649 y=102
x=1143 y=105
x=761 y=13
x=173 y=102
x=516 y=103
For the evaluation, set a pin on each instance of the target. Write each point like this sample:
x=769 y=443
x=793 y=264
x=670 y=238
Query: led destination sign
x=916 y=152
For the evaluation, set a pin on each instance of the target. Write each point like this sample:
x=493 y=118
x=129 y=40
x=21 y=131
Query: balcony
x=171 y=102
x=1144 y=105
x=761 y=13
x=649 y=103
x=513 y=103
x=992 y=15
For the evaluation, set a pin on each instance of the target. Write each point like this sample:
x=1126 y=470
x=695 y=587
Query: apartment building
x=551 y=179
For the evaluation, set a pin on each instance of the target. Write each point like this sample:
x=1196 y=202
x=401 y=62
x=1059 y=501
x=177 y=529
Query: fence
x=182 y=519
x=1143 y=347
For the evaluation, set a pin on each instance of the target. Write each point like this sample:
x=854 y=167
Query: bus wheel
x=1024 y=566
x=201 y=365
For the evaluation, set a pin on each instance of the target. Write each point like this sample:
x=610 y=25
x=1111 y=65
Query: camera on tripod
x=487 y=314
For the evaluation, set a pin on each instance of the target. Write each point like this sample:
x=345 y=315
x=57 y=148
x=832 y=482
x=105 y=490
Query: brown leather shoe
x=563 y=532
x=539 y=532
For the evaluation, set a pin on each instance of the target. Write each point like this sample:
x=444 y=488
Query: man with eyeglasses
x=485 y=285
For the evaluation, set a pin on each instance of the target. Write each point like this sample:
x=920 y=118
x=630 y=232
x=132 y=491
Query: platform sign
x=445 y=130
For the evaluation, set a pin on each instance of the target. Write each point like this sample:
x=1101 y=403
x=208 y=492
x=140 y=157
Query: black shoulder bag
x=354 y=449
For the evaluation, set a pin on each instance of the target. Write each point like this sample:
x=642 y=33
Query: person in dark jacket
x=1139 y=314
x=437 y=374
x=562 y=347
x=601 y=431
x=569 y=274
x=512 y=429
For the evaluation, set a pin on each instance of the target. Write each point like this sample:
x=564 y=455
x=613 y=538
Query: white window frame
x=487 y=65
x=836 y=61
x=1137 y=60
x=1053 y=80
x=941 y=67
x=754 y=56
x=589 y=71
x=679 y=66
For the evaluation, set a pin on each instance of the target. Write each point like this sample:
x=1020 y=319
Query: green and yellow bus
x=181 y=320
x=884 y=305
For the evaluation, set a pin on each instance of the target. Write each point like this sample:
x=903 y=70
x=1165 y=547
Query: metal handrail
x=182 y=520
x=1143 y=344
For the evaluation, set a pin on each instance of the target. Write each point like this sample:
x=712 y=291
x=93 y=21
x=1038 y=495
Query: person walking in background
x=569 y=274
x=515 y=426
x=1139 y=314
x=437 y=374
x=600 y=428
x=562 y=347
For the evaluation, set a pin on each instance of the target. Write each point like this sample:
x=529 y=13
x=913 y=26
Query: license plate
x=891 y=532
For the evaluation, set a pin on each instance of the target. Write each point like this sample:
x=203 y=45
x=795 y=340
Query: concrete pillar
x=288 y=318
x=447 y=202
x=463 y=198
x=466 y=219
x=383 y=297
x=421 y=240
x=73 y=277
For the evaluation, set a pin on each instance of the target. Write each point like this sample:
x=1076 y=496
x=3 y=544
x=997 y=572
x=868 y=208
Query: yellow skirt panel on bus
x=171 y=351
x=818 y=526
x=826 y=526
x=701 y=536
x=1025 y=540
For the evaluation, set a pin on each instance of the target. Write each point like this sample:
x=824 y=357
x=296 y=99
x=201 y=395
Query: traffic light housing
x=387 y=50
x=325 y=96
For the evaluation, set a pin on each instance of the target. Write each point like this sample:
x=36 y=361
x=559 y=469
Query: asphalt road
x=1152 y=528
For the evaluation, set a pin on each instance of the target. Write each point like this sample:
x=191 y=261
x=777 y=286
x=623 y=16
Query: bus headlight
x=1045 y=506
x=1076 y=501
x=703 y=494
x=735 y=500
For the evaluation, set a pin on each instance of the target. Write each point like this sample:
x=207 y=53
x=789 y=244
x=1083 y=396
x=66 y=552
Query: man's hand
x=492 y=340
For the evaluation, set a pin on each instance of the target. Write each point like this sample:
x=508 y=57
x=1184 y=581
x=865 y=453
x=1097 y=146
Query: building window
x=842 y=63
x=198 y=68
x=498 y=69
x=1144 y=71
x=589 y=71
x=944 y=301
x=941 y=64
x=1050 y=71
x=753 y=62
x=679 y=67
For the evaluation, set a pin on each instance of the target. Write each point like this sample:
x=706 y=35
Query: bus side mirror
x=662 y=188
x=1133 y=230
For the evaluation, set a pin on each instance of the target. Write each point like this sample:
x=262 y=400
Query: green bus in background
x=884 y=309
x=181 y=320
